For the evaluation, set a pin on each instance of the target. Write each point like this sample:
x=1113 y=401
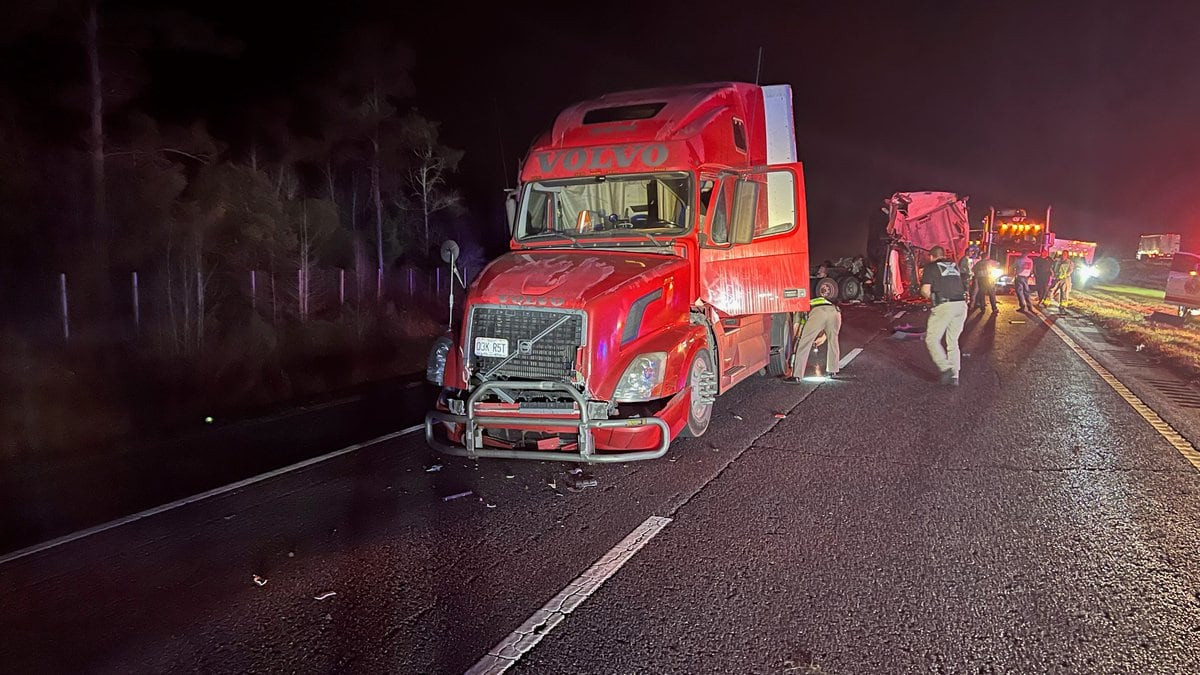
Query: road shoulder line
x=519 y=642
x=1173 y=437
x=132 y=518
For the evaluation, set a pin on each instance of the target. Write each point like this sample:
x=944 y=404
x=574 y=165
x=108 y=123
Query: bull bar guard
x=583 y=422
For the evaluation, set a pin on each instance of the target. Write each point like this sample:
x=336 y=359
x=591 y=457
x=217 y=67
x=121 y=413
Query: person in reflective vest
x=824 y=318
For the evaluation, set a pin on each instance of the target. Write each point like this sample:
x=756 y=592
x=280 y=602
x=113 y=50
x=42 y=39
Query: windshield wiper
x=557 y=233
x=648 y=236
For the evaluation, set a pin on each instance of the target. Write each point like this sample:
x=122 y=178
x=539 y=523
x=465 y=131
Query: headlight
x=641 y=378
x=435 y=369
x=1088 y=271
x=1005 y=279
x=994 y=274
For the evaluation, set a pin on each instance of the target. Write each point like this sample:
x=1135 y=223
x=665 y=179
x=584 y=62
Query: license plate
x=485 y=346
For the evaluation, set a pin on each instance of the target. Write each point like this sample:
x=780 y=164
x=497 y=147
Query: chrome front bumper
x=472 y=435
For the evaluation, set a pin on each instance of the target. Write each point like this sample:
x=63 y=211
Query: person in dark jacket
x=985 y=284
x=1042 y=275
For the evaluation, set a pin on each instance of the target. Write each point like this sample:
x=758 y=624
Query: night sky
x=1090 y=106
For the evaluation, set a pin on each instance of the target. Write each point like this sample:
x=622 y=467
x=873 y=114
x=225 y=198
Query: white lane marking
x=74 y=536
x=849 y=357
x=520 y=641
x=1169 y=434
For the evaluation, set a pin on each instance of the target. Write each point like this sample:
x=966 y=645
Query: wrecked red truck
x=917 y=222
x=659 y=256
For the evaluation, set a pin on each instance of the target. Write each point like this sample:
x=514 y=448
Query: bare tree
x=426 y=176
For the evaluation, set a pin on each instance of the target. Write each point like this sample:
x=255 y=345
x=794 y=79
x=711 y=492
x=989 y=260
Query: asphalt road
x=1027 y=521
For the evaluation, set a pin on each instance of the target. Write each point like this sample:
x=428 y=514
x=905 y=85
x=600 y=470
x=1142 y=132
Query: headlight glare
x=642 y=378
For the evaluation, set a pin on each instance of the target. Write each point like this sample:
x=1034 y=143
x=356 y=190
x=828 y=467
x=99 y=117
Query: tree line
x=339 y=171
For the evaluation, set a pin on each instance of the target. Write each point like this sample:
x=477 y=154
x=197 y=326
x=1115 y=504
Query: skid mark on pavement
x=506 y=653
x=1165 y=430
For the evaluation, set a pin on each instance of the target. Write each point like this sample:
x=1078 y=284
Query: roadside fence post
x=253 y=291
x=62 y=292
x=137 y=309
x=300 y=291
x=341 y=286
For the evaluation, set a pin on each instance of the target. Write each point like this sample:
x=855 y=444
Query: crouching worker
x=824 y=318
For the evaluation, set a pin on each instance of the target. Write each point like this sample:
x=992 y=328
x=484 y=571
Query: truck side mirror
x=745 y=207
x=510 y=208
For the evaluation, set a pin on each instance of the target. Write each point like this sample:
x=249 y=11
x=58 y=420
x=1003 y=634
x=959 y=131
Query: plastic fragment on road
x=259 y=581
x=434 y=469
x=581 y=480
x=460 y=495
x=510 y=475
x=737 y=416
x=325 y=596
x=780 y=416
x=489 y=505
x=553 y=485
x=1139 y=348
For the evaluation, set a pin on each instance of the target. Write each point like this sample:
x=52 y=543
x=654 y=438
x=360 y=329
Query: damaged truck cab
x=659 y=257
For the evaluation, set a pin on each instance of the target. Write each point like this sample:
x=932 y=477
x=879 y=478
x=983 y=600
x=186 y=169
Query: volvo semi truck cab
x=659 y=256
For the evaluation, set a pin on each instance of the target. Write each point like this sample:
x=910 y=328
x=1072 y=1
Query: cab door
x=754 y=245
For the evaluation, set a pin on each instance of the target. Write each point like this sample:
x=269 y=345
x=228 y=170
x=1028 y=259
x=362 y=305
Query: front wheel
x=782 y=336
x=702 y=385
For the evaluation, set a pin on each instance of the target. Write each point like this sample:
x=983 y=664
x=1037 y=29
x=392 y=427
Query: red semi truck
x=659 y=257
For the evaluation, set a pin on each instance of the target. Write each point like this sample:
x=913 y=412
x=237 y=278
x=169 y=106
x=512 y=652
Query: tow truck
x=1010 y=233
x=659 y=257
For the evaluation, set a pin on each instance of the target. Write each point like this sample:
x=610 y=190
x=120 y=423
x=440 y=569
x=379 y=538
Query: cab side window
x=718 y=228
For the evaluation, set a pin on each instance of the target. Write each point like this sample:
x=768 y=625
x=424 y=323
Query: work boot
x=948 y=377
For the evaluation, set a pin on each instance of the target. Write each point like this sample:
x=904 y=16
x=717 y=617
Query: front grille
x=550 y=358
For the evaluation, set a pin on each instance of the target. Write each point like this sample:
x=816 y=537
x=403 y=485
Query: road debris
x=737 y=416
x=489 y=505
x=578 y=480
x=325 y=596
x=780 y=416
x=510 y=475
x=1139 y=348
x=291 y=554
x=259 y=581
x=456 y=496
x=434 y=469
x=1016 y=320
x=553 y=484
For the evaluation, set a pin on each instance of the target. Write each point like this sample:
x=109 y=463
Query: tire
x=851 y=288
x=827 y=287
x=702 y=381
x=783 y=335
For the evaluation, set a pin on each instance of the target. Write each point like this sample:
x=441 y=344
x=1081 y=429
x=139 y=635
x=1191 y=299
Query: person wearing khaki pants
x=941 y=282
x=824 y=318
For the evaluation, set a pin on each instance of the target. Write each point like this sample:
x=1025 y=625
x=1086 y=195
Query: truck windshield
x=599 y=207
